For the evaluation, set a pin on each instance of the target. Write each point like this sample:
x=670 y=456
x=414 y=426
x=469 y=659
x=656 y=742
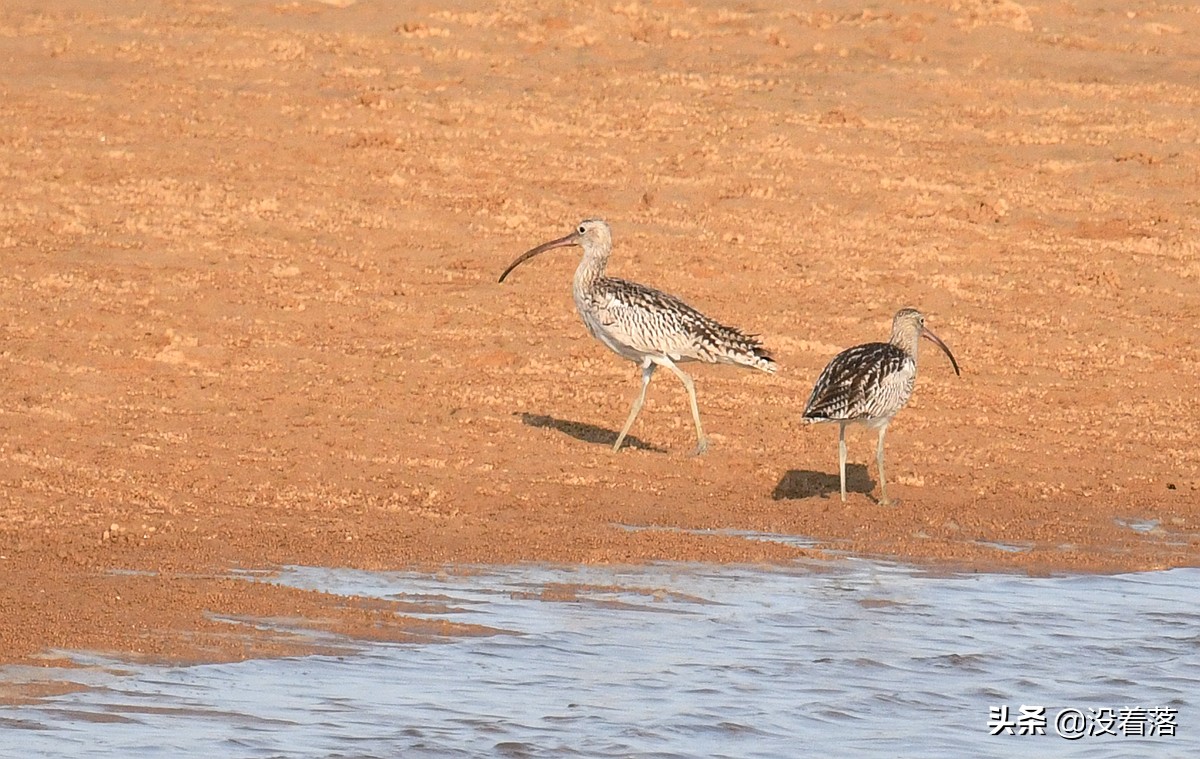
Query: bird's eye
x=582 y=229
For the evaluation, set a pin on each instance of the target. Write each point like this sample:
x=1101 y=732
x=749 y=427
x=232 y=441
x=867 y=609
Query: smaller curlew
x=869 y=384
x=647 y=326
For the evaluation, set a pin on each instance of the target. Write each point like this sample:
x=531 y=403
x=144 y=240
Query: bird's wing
x=646 y=319
x=862 y=381
x=655 y=322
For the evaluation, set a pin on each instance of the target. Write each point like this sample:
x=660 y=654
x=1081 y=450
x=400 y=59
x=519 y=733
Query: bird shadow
x=588 y=433
x=805 y=483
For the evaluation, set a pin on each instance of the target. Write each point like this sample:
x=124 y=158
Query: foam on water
x=851 y=658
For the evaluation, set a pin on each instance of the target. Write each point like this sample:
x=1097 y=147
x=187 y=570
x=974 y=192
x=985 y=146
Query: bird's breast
x=593 y=315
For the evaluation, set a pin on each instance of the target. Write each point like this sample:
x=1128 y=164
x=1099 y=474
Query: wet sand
x=845 y=657
x=249 y=313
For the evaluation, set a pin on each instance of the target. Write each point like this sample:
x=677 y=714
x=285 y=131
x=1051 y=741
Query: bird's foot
x=701 y=447
x=887 y=501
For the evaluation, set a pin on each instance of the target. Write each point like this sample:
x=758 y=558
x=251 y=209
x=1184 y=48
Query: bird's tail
x=762 y=359
x=748 y=350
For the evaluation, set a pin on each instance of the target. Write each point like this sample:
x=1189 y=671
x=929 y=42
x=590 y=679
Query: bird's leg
x=702 y=442
x=883 y=499
x=647 y=372
x=842 y=458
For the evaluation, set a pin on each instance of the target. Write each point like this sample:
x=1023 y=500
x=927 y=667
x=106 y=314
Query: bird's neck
x=907 y=340
x=591 y=268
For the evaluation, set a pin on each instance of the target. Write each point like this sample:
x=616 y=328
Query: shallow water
x=851 y=658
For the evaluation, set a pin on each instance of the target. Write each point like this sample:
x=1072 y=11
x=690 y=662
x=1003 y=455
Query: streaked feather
x=871 y=381
x=653 y=322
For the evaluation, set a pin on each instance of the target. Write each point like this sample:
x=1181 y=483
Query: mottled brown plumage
x=869 y=384
x=865 y=383
x=645 y=325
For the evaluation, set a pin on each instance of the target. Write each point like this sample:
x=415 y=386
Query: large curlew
x=647 y=326
x=869 y=384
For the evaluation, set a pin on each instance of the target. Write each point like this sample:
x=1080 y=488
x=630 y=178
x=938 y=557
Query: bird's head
x=908 y=325
x=593 y=235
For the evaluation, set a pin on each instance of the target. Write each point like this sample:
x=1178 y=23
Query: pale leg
x=883 y=499
x=842 y=458
x=647 y=372
x=702 y=442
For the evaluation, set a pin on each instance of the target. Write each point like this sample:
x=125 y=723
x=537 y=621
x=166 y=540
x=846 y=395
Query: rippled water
x=852 y=658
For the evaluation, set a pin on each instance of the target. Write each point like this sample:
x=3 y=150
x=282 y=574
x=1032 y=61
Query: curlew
x=647 y=326
x=869 y=384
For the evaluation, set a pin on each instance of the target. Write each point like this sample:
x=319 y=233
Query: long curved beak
x=562 y=242
x=938 y=342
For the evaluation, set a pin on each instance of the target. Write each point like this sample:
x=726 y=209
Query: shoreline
x=249 y=314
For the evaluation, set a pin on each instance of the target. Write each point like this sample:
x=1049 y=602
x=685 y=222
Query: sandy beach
x=249 y=314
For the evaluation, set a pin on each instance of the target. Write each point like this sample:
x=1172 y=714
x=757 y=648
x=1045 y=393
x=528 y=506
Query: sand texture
x=249 y=313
